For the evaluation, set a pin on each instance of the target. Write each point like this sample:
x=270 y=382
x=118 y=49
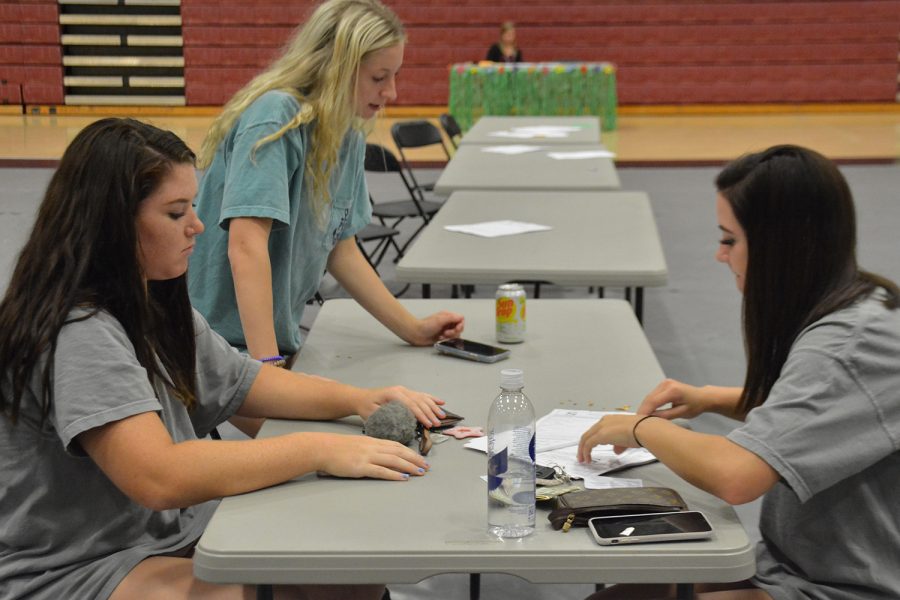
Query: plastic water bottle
x=511 y=459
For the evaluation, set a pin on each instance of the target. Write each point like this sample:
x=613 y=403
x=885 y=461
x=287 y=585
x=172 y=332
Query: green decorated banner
x=531 y=89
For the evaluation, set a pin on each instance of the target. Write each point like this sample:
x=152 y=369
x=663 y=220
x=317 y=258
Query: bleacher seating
x=126 y=53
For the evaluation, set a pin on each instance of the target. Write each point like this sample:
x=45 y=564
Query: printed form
x=557 y=436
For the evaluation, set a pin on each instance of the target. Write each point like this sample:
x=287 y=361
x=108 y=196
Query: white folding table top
x=579 y=354
x=474 y=168
x=597 y=238
x=494 y=130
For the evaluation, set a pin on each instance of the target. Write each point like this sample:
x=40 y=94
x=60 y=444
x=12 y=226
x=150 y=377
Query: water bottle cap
x=512 y=379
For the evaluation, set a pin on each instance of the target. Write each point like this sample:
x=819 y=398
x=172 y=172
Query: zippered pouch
x=575 y=508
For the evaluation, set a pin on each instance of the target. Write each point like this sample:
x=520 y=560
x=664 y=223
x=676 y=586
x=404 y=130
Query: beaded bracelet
x=275 y=361
x=634 y=429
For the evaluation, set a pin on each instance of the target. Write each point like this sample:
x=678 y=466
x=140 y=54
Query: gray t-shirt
x=65 y=530
x=831 y=429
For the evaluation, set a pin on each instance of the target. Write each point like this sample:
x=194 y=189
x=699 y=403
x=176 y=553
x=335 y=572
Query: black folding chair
x=382 y=235
x=416 y=134
x=451 y=128
x=392 y=212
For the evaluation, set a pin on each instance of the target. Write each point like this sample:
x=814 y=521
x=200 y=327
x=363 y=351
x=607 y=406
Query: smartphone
x=650 y=527
x=542 y=472
x=450 y=419
x=472 y=350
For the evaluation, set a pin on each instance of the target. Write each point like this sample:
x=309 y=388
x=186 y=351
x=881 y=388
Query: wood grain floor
x=644 y=137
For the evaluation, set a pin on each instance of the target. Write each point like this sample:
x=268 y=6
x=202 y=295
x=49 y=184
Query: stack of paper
x=557 y=444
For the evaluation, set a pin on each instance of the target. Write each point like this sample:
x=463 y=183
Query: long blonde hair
x=319 y=67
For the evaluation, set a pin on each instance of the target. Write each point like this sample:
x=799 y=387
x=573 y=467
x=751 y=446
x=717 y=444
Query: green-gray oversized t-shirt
x=65 y=530
x=831 y=429
x=269 y=182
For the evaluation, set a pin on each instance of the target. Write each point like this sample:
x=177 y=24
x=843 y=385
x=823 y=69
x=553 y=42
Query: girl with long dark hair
x=821 y=401
x=109 y=381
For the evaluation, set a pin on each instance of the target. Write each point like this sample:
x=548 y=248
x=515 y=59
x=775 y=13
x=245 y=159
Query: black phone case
x=450 y=419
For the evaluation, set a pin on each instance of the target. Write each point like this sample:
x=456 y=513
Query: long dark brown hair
x=83 y=252
x=798 y=217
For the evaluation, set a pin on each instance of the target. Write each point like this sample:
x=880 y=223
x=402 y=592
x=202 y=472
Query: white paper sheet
x=581 y=154
x=562 y=427
x=603 y=460
x=537 y=131
x=492 y=229
x=601 y=482
x=557 y=436
x=511 y=149
x=524 y=135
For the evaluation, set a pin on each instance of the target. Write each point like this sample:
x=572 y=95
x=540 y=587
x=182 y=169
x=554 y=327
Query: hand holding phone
x=650 y=527
x=472 y=350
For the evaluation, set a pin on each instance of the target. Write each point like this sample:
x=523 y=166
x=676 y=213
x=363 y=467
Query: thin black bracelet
x=634 y=429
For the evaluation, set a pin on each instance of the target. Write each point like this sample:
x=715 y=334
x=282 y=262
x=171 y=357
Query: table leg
x=684 y=591
x=474 y=586
x=264 y=592
x=639 y=304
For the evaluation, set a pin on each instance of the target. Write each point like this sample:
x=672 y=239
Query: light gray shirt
x=66 y=531
x=831 y=429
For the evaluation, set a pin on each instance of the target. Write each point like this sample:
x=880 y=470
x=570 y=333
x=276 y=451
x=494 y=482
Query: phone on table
x=472 y=350
x=650 y=527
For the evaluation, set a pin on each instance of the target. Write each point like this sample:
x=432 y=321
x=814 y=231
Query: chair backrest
x=381 y=160
x=415 y=134
x=451 y=128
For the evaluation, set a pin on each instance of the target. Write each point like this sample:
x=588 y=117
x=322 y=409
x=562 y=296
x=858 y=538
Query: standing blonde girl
x=284 y=190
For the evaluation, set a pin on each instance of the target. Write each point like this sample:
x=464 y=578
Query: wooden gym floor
x=651 y=136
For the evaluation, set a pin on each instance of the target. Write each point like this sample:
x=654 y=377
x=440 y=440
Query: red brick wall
x=30 y=54
x=704 y=51
x=666 y=51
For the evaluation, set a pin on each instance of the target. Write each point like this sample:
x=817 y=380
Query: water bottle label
x=498 y=464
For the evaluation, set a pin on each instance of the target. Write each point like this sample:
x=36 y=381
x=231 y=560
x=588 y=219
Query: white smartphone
x=650 y=527
x=472 y=350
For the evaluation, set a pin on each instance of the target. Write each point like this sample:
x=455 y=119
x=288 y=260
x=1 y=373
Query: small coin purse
x=574 y=509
